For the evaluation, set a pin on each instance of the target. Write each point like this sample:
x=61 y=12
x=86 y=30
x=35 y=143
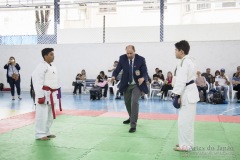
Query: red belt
x=46 y=88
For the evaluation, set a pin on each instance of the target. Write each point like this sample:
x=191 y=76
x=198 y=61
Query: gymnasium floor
x=92 y=130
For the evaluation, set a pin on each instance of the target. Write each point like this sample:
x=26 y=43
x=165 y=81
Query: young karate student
x=45 y=84
x=186 y=97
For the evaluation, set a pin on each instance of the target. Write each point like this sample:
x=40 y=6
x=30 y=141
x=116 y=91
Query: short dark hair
x=132 y=46
x=12 y=57
x=217 y=71
x=183 y=45
x=46 y=51
x=102 y=72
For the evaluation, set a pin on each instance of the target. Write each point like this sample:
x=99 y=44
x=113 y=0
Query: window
x=187 y=7
x=75 y=13
x=153 y=4
x=107 y=7
x=203 y=5
x=228 y=4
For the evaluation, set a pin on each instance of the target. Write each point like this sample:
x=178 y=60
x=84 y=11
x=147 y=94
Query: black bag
x=95 y=93
x=1 y=86
x=217 y=98
x=32 y=92
x=74 y=83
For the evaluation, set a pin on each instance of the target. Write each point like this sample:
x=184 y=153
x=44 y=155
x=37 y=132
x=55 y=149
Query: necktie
x=130 y=79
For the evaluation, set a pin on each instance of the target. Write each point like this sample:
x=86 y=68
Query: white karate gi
x=189 y=97
x=44 y=75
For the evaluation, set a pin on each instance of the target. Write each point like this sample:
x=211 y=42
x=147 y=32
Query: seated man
x=201 y=85
x=236 y=84
x=208 y=76
x=222 y=82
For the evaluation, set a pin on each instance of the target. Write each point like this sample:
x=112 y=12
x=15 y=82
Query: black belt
x=191 y=82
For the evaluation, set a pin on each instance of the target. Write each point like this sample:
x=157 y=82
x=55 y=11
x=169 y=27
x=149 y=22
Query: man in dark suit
x=133 y=82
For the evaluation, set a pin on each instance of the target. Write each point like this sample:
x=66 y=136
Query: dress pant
x=14 y=83
x=237 y=88
x=131 y=98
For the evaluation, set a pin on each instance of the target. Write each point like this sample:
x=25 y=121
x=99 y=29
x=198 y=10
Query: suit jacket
x=7 y=67
x=139 y=65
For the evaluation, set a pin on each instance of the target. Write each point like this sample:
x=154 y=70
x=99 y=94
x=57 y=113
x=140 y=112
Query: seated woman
x=236 y=84
x=201 y=84
x=167 y=85
x=84 y=77
x=217 y=73
x=101 y=81
x=80 y=81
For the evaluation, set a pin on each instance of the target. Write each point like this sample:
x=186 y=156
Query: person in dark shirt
x=236 y=84
x=156 y=72
x=238 y=70
x=208 y=76
x=160 y=75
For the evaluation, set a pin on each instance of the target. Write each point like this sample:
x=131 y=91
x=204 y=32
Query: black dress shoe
x=127 y=121
x=131 y=130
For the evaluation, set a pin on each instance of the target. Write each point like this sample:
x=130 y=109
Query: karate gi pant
x=44 y=120
x=186 y=119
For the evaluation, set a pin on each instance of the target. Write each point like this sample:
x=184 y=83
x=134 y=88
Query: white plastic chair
x=153 y=90
x=214 y=86
x=233 y=93
x=208 y=85
x=169 y=93
x=114 y=87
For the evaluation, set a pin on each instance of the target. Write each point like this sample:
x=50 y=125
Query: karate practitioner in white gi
x=45 y=75
x=186 y=91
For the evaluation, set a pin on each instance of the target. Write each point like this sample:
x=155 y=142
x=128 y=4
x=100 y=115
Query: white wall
x=200 y=32
x=71 y=58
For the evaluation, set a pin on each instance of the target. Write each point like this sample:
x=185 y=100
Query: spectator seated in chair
x=160 y=75
x=208 y=76
x=222 y=83
x=217 y=73
x=102 y=82
x=167 y=85
x=236 y=84
x=144 y=96
x=238 y=70
x=201 y=85
x=80 y=81
x=156 y=72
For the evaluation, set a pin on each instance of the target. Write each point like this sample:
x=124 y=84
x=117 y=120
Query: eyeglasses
x=129 y=53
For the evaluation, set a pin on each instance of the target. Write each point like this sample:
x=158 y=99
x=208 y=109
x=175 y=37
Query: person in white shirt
x=186 y=96
x=45 y=84
x=222 y=82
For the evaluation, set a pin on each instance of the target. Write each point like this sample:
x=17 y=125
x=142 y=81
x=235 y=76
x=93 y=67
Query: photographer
x=13 y=76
